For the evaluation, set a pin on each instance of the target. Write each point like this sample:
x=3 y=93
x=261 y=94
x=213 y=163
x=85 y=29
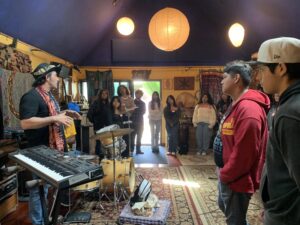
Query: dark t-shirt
x=32 y=105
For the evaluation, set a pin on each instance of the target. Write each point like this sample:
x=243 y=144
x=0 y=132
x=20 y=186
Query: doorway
x=148 y=87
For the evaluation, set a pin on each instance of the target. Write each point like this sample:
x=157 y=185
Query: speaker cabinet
x=8 y=206
x=9 y=196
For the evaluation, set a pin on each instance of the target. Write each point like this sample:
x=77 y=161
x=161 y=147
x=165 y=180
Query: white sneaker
x=203 y=153
x=198 y=153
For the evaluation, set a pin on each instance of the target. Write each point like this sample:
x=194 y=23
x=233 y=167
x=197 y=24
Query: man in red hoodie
x=243 y=136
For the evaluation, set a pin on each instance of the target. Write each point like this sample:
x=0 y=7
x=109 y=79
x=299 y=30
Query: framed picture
x=184 y=83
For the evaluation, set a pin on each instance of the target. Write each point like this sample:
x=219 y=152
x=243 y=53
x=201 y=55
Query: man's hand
x=63 y=119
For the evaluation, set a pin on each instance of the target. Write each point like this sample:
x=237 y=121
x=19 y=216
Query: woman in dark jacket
x=119 y=119
x=172 y=114
x=99 y=114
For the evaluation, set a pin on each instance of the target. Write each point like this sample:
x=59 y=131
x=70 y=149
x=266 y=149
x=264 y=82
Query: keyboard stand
x=52 y=217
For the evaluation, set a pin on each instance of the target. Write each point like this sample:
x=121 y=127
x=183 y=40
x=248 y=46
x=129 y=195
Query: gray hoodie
x=280 y=183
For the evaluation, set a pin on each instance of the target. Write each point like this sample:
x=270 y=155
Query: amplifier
x=8 y=186
x=8 y=205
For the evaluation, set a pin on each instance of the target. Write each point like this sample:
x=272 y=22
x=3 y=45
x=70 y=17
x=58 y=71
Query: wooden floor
x=20 y=216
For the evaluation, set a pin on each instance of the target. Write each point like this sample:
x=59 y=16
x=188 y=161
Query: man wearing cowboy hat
x=43 y=122
x=279 y=65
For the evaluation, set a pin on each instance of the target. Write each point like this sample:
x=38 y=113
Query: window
x=84 y=89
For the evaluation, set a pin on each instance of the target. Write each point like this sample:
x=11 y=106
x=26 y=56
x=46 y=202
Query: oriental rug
x=205 y=196
x=182 y=209
x=192 y=191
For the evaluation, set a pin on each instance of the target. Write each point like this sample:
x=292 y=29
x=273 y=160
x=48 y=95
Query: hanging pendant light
x=125 y=26
x=169 y=29
x=236 y=34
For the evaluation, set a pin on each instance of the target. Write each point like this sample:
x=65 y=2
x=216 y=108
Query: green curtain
x=98 y=80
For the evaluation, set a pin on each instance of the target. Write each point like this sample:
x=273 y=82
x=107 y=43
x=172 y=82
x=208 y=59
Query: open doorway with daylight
x=148 y=87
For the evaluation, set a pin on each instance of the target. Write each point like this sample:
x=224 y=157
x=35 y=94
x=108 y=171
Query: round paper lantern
x=168 y=29
x=125 y=26
x=236 y=34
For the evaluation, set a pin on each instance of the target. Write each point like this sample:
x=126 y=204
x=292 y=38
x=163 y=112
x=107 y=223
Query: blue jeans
x=172 y=137
x=203 y=136
x=136 y=135
x=35 y=207
x=155 y=126
x=234 y=205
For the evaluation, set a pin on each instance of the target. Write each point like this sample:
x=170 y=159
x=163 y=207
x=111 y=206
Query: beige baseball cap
x=279 y=50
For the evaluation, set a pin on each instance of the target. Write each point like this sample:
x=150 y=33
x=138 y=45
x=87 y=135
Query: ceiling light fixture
x=125 y=26
x=169 y=29
x=236 y=34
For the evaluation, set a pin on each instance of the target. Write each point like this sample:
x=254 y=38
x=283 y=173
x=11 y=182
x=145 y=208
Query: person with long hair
x=116 y=114
x=155 y=117
x=204 y=119
x=222 y=106
x=119 y=118
x=172 y=114
x=127 y=102
x=127 y=108
x=99 y=116
x=43 y=123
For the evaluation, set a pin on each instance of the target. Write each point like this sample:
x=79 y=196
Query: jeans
x=234 y=205
x=137 y=134
x=172 y=137
x=35 y=207
x=155 y=127
x=203 y=136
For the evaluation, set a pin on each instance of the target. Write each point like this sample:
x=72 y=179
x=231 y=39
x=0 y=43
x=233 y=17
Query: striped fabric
x=56 y=135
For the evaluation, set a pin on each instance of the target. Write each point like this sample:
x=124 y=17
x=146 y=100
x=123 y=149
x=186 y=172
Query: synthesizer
x=55 y=168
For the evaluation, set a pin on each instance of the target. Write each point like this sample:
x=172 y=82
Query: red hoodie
x=244 y=138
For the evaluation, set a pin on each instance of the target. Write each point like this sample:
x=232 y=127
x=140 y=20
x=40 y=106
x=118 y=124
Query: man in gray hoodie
x=279 y=65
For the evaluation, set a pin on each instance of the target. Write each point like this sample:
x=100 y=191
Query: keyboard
x=57 y=169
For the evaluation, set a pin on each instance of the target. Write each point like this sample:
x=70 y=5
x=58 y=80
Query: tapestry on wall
x=14 y=60
x=98 y=80
x=13 y=85
x=184 y=83
x=210 y=82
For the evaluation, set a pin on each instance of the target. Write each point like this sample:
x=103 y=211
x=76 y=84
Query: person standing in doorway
x=172 y=115
x=155 y=117
x=137 y=118
x=279 y=65
x=204 y=119
x=43 y=122
x=240 y=143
